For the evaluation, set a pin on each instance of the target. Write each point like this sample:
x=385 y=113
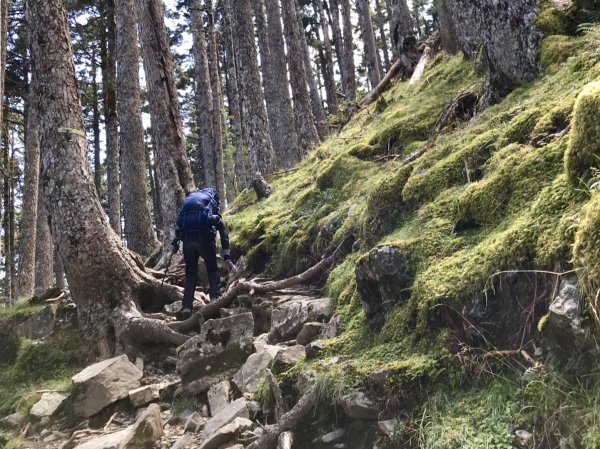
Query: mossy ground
x=488 y=195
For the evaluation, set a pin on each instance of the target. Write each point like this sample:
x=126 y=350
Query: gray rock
x=38 y=325
x=288 y=318
x=388 y=427
x=104 y=383
x=314 y=349
x=217 y=353
x=309 y=332
x=382 y=279
x=285 y=440
x=261 y=341
x=331 y=437
x=226 y=433
x=305 y=380
x=332 y=328
x=219 y=396
x=288 y=356
x=144 y=395
x=108 y=441
x=523 y=438
x=14 y=421
x=193 y=423
x=247 y=437
x=237 y=409
x=148 y=429
x=358 y=406
x=48 y=404
x=183 y=442
x=254 y=369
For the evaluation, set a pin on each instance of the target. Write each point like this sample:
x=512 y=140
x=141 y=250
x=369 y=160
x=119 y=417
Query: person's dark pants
x=196 y=246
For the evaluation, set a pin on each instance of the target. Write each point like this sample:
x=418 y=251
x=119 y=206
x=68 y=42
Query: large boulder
x=253 y=371
x=219 y=396
x=215 y=354
x=148 y=429
x=13 y=422
x=226 y=434
x=237 y=409
x=48 y=404
x=383 y=278
x=309 y=332
x=359 y=406
x=104 y=383
x=288 y=318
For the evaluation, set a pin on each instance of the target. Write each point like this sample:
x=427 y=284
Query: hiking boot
x=183 y=314
x=214 y=285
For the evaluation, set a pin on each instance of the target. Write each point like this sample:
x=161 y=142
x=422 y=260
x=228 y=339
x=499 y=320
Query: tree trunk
x=104 y=280
x=368 y=36
x=44 y=248
x=338 y=41
x=300 y=74
x=254 y=114
x=96 y=123
x=173 y=170
x=233 y=101
x=315 y=95
x=381 y=26
x=59 y=271
x=217 y=102
x=111 y=122
x=349 y=50
x=139 y=233
x=328 y=73
x=203 y=95
x=281 y=84
x=12 y=220
x=447 y=27
x=403 y=36
x=6 y=218
x=27 y=256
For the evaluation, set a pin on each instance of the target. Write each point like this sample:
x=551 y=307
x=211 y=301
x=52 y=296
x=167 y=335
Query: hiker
x=197 y=225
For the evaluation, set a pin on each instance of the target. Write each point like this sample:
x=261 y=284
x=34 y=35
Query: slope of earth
x=460 y=250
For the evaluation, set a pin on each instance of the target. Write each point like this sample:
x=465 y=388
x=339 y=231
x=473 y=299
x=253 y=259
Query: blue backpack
x=200 y=211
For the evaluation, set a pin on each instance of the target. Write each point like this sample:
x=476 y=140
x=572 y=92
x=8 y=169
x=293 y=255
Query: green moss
x=557 y=49
x=583 y=152
x=556 y=119
x=521 y=126
x=586 y=252
x=551 y=20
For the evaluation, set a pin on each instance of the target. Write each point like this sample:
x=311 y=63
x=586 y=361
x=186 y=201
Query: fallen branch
x=268 y=440
x=512 y=353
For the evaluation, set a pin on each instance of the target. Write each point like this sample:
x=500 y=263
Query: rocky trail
x=203 y=395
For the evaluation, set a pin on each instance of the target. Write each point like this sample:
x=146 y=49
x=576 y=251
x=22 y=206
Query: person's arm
x=224 y=233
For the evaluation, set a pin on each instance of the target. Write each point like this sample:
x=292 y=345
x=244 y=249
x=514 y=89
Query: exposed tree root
x=269 y=438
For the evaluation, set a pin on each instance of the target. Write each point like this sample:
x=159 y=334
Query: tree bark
x=172 y=167
x=96 y=123
x=233 y=102
x=333 y=104
x=254 y=114
x=403 y=36
x=111 y=122
x=6 y=218
x=44 y=247
x=338 y=42
x=300 y=74
x=203 y=96
x=368 y=36
x=217 y=101
x=381 y=26
x=26 y=273
x=349 y=50
x=139 y=233
x=105 y=282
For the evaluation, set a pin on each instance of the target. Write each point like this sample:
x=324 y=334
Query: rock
x=285 y=440
x=309 y=332
x=358 y=406
x=288 y=318
x=288 y=356
x=226 y=433
x=254 y=407
x=382 y=279
x=332 y=328
x=104 y=383
x=217 y=353
x=571 y=347
x=139 y=362
x=148 y=429
x=48 y=404
x=260 y=342
x=38 y=325
x=247 y=437
x=331 y=437
x=108 y=441
x=237 y=409
x=193 y=423
x=388 y=428
x=314 y=349
x=53 y=436
x=254 y=369
x=143 y=395
x=523 y=438
x=219 y=396
x=305 y=380
x=183 y=442
x=14 y=421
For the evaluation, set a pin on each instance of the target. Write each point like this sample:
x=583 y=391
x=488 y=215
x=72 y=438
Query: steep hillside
x=460 y=249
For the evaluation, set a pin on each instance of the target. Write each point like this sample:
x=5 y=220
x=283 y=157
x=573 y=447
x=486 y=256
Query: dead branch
x=279 y=405
x=512 y=353
x=269 y=438
x=211 y=310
